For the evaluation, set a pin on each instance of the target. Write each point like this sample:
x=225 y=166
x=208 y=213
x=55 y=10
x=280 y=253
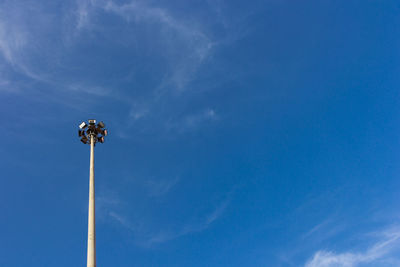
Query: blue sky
x=241 y=133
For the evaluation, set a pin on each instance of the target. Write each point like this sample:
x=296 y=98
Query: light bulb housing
x=83 y=125
x=90 y=130
x=101 y=124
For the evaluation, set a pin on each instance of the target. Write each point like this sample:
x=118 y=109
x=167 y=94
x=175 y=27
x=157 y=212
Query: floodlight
x=101 y=124
x=91 y=130
x=83 y=125
x=102 y=132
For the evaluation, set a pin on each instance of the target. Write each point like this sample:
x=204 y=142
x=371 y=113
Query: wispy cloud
x=164 y=236
x=184 y=44
x=146 y=237
x=13 y=37
x=21 y=27
x=90 y=89
x=105 y=203
x=82 y=14
x=317 y=228
x=324 y=230
x=192 y=121
x=157 y=53
x=379 y=253
x=137 y=114
x=158 y=188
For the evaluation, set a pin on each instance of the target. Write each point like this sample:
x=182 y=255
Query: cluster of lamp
x=87 y=130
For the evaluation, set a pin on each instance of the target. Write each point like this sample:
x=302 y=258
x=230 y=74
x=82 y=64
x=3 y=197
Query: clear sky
x=241 y=133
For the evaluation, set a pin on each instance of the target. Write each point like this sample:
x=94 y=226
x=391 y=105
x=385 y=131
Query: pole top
x=91 y=129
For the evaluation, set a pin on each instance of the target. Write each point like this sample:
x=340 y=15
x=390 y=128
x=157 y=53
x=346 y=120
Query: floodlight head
x=103 y=132
x=83 y=125
x=91 y=131
x=101 y=124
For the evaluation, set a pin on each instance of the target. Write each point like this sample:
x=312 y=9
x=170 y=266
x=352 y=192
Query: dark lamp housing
x=89 y=131
x=102 y=132
x=101 y=124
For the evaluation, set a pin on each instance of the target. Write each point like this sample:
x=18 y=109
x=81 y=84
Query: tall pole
x=91 y=249
x=91 y=133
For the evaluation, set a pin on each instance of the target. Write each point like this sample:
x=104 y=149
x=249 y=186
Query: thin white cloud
x=210 y=218
x=378 y=254
x=185 y=45
x=105 y=203
x=158 y=188
x=317 y=228
x=147 y=238
x=323 y=230
x=213 y=216
x=120 y=219
x=192 y=121
x=138 y=113
x=82 y=14
x=12 y=40
x=50 y=53
x=5 y=85
x=16 y=35
x=90 y=89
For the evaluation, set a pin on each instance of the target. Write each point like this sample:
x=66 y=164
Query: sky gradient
x=241 y=133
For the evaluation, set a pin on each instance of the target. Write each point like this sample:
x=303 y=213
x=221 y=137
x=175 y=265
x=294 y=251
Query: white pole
x=91 y=249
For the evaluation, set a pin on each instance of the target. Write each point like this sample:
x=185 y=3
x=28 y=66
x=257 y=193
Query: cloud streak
x=160 y=188
x=147 y=238
x=184 y=45
x=203 y=224
x=144 y=56
x=378 y=252
x=192 y=121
